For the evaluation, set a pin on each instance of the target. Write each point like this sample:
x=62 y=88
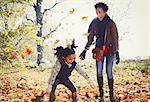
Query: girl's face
x=70 y=58
x=100 y=13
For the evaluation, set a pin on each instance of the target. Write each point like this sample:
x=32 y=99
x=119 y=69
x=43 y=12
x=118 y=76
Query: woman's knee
x=109 y=76
x=109 y=67
x=109 y=73
x=99 y=67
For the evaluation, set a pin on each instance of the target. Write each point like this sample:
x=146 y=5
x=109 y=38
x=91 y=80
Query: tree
x=39 y=20
x=11 y=33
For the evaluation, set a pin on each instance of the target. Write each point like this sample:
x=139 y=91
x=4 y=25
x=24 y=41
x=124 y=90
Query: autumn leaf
x=6 y=32
x=120 y=92
x=85 y=34
x=72 y=10
x=84 y=18
x=12 y=57
x=46 y=14
x=23 y=9
x=28 y=51
x=56 y=42
x=69 y=45
x=23 y=55
x=18 y=29
x=7 y=49
x=10 y=50
x=28 y=85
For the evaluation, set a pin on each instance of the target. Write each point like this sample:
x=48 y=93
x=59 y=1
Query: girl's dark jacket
x=111 y=38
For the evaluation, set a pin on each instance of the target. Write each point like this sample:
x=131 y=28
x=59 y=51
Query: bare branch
x=28 y=19
x=34 y=6
x=0 y=8
x=124 y=14
x=122 y=36
x=18 y=41
x=50 y=9
x=54 y=29
x=58 y=25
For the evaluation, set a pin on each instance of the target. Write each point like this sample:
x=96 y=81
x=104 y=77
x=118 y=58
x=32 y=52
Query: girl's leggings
x=66 y=83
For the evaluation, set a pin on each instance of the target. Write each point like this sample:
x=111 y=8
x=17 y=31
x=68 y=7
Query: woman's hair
x=64 y=52
x=102 y=5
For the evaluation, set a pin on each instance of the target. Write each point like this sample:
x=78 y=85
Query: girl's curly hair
x=64 y=52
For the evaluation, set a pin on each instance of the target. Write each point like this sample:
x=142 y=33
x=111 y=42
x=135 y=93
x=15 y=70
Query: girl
x=64 y=65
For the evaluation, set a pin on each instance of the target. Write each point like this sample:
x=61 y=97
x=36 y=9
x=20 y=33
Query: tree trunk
x=39 y=18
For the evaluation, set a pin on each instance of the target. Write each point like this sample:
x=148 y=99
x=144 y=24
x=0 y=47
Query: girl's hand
x=92 y=83
x=49 y=89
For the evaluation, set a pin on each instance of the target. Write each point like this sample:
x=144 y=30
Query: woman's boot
x=100 y=83
x=111 y=94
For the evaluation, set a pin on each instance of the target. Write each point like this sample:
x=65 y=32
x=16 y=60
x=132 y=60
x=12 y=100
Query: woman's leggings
x=66 y=83
x=109 y=66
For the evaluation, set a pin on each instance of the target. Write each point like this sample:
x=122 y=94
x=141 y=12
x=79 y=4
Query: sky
x=131 y=17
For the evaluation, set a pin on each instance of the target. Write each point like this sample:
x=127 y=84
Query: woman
x=100 y=26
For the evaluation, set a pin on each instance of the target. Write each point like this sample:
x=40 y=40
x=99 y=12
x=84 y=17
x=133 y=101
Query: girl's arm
x=54 y=73
x=85 y=75
x=82 y=72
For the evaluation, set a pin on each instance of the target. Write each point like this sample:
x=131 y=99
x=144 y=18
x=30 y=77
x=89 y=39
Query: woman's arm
x=115 y=37
x=91 y=32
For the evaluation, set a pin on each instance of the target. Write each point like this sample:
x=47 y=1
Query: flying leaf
x=84 y=18
x=72 y=10
x=85 y=34
x=46 y=14
x=56 y=42
x=22 y=55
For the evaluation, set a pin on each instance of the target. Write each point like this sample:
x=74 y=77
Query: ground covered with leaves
x=29 y=85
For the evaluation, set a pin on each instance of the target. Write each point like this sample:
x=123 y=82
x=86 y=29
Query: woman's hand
x=117 y=57
x=82 y=55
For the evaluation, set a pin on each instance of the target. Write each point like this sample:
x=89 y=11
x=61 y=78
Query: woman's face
x=70 y=58
x=100 y=13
